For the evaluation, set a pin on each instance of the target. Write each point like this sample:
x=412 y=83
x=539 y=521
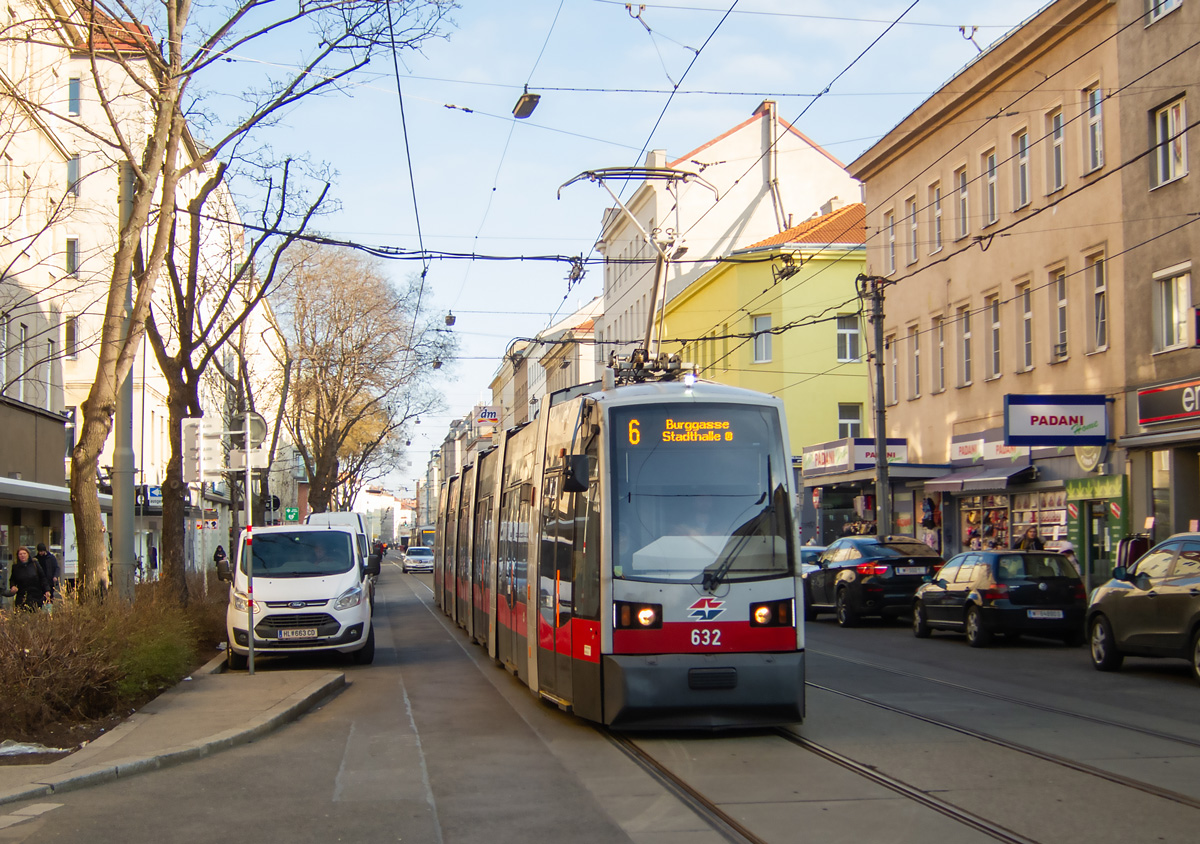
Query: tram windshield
x=699 y=493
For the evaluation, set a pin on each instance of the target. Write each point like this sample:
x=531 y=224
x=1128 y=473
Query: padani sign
x=1055 y=420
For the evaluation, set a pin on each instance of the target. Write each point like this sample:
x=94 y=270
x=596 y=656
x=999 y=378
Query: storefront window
x=1161 y=484
x=1047 y=511
x=984 y=521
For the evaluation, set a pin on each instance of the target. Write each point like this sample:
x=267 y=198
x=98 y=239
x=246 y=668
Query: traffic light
x=191 y=450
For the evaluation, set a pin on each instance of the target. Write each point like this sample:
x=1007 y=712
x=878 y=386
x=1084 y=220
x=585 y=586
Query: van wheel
x=366 y=654
x=235 y=661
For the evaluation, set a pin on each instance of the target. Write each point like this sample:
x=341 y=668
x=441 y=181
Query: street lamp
x=526 y=104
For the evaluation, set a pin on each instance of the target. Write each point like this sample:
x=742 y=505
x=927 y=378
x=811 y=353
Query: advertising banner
x=1055 y=420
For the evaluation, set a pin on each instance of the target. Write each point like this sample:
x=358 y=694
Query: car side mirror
x=373 y=564
x=1142 y=581
x=224 y=572
x=575 y=474
x=1120 y=573
x=927 y=578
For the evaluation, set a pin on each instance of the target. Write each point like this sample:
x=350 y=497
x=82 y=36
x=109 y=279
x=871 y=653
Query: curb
x=289 y=709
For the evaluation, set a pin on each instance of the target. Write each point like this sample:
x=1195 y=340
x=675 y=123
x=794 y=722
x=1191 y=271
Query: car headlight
x=350 y=598
x=241 y=602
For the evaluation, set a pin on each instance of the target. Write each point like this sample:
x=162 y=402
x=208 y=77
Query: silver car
x=418 y=558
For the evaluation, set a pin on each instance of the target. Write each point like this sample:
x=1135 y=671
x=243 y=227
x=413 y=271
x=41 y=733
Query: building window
x=991 y=310
x=939 y=370
x=911 y=213
x=848 y=339
x=71 y=337
x=72 y=256
x=1170 y=141
x=964 y=346
x=963 y=221
x=1172 y=302
x=74 y=88
x=1155 y=9
x=1025 y=299
x=73 y=175
x=1058 y=305
x=892 y=387
x=1021 y=154
x=762 y=338
x=935 y=206
x=989 y=188
x=1098 y=284
x=889 y=230
x=1093 y=139
x=849 y=420
x=914 y=361
x=1055 y=171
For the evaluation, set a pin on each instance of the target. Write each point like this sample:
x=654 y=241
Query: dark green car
x=1151 y=608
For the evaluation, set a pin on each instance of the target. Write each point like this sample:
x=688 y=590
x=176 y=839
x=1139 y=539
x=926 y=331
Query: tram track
x=1003 y=698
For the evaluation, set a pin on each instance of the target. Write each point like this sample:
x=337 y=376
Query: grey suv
x=1151 y=608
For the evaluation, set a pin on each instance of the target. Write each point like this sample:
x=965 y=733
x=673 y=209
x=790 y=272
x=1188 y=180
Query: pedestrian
x=1030 y=541
x=1067 y=549
x=219 y=555
x=28 y=582
x=49 y=564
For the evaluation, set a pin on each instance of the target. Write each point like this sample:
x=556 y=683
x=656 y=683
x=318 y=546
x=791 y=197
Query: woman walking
x=28 y=581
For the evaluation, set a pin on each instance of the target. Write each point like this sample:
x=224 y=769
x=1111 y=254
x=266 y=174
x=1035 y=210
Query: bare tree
x=147 y=73
x=362 y=362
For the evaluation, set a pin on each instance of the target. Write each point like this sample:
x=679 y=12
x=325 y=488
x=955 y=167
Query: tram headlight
x=631 y=616
x=772 y=614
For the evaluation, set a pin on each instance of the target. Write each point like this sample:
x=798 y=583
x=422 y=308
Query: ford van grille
x=315 y=619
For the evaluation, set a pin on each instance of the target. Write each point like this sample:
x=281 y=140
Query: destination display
x=683 y=431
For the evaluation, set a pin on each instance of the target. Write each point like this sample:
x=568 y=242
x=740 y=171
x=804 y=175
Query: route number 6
x=706 y=638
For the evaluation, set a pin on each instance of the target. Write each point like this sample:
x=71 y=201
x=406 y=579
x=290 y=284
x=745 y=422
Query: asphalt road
x=434 y=744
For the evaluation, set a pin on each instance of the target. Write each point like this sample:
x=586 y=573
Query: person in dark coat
x=49 y=564
x=28 y=582
x=1030 y=541
x=219 y=555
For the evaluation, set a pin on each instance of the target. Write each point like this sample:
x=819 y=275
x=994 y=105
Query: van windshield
x=301 y=554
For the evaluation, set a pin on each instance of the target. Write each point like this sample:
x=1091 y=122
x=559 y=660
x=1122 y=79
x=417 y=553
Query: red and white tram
x=630 y=555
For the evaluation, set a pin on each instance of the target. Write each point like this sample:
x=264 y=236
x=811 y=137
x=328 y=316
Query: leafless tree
x=362 y=365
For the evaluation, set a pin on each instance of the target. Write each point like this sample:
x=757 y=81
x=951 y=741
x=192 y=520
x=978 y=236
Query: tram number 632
x=706 y=638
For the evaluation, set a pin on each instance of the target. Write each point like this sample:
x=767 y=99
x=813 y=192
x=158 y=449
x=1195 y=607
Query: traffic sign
x=291 y=514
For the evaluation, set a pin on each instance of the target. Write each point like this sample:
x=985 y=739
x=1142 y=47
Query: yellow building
x=783 y=317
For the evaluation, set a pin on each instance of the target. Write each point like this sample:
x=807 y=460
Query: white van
x=311 y=593
x=356 y=522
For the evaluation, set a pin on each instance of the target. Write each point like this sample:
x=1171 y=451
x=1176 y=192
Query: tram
x=630 y=555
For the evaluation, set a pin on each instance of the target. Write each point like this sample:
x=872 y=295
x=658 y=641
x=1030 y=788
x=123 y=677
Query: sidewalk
x=209 y=712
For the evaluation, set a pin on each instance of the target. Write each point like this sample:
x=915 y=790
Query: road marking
x=26 y=814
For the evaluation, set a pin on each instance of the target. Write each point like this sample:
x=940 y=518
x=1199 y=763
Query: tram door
x=556 y=576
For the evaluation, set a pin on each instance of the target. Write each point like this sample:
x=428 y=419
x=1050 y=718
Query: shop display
x=1047 y=511
x=985 y=521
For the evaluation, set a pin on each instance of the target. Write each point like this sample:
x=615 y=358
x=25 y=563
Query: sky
x=486 y=183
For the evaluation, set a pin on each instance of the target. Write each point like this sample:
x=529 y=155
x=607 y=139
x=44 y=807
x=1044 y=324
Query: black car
x=982 y=593
x=867 y=575
x=1150 y=609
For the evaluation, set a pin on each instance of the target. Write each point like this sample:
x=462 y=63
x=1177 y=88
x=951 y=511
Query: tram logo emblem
x=706 y=609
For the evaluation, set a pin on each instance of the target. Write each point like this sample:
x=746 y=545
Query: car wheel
x=847 y=616
x=1105 y=655
x=977 y=636
x=235 y=661
x=1195 y=660
x=920 y=624
x=366 y=654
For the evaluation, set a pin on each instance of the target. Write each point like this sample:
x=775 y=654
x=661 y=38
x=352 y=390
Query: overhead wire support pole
x=883 y=503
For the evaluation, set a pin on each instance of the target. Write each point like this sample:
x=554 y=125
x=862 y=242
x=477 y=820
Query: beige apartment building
x=996 y=211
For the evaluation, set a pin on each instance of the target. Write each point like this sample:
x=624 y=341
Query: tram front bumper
x=703 y=691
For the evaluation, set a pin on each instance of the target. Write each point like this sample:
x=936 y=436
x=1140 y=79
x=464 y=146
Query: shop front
x=839 y=482
x=1097 y=519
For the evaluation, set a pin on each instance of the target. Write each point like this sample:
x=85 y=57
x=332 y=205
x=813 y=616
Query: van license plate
x=299 y=633
x=910 y=569
x=1045 y=614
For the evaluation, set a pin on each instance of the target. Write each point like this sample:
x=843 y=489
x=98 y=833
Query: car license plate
x=298 y=633
x=1045 y=614
x=910 y=569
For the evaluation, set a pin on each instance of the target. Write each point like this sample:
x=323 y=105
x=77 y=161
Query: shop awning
x=998 y=477
x=35 y=496
x=952 y=482
x=897 y=473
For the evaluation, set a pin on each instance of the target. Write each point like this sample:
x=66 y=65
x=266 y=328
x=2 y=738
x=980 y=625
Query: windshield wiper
x=715 y=574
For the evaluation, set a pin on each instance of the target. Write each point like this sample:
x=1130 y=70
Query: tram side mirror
x=224 y=572
x=575 y=477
